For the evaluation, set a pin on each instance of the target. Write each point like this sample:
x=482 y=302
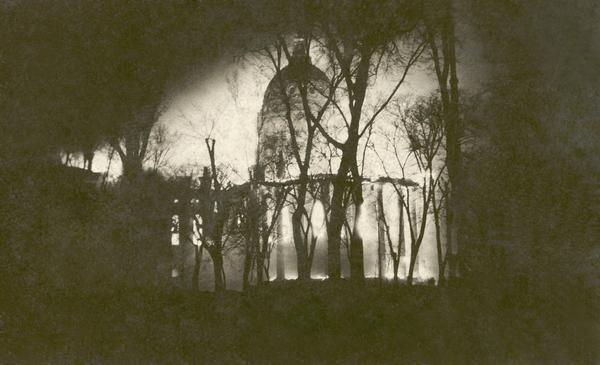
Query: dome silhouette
x=282 y=93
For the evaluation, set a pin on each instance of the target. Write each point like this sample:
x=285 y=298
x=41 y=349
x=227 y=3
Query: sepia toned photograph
x=264 y=182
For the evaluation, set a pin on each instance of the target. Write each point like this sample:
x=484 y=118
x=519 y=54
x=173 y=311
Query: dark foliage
x=314 y=323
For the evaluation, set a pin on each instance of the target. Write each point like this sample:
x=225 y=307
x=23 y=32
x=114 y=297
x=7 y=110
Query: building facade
x=392 y=211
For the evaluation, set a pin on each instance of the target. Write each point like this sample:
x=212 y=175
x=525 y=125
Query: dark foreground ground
x=314 y=323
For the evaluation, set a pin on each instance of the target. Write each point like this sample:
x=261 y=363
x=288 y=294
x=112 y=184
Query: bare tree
x=258 y=217
x=439 y=203
x=215 y=221
x=349 y=226
x=441 y=40
x=397 y=251
x=132 y=142
x=88 y=157
x=420 y=126
x=160 y=145
x=356 y=54
x=298 y=90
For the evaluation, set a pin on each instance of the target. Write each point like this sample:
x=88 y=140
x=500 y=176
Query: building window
x=175 y=230
x=197 y=229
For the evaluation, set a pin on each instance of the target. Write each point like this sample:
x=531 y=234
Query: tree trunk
x=219 y=272
x=197 y=263
x=260 y=266
x=449 y=239
x=252 y=248
x=381 y=232
x=401 y=238
x=445 y=65
x=415 y=244
x=453 y=133
x=300 y=240
x=132 y=168
x=357 y=269
x=326 y=201
x=411 y=267
x=247 y=270
x=279 y=253
x=438 y=240
x=88 y=158
x=336 y=221
x=301 y=247
x=254 y=216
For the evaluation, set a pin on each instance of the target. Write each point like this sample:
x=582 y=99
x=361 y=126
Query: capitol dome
x=273 y=132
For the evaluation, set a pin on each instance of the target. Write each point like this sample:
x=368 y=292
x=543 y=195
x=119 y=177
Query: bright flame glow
x=318 y=219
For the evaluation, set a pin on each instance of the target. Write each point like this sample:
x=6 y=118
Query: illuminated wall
x=284 y=253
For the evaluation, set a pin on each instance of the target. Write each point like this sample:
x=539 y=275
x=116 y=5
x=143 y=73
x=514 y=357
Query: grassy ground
x=288 y=323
